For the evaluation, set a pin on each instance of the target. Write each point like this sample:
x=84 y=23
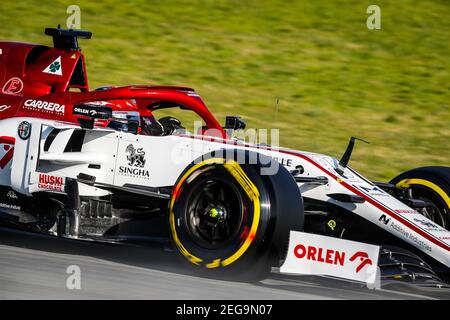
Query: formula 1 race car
x=104 y=165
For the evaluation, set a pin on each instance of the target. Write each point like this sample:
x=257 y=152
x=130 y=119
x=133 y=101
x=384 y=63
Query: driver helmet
x=126 y=110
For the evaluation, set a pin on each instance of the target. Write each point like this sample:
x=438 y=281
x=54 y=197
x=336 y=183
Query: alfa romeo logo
x=55 y=66
x=24 y=130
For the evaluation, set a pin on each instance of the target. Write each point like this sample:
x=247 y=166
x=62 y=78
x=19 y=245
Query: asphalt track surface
x=34 y=266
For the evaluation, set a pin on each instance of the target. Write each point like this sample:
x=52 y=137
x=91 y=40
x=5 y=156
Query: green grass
x=334 y=77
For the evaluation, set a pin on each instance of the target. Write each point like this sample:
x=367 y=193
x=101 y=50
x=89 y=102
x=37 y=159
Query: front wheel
x=431 y=184
x=229 y=221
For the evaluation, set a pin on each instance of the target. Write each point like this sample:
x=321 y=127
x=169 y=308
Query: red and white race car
x=103 y=165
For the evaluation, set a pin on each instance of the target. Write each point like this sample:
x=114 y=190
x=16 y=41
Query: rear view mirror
x=234 y=123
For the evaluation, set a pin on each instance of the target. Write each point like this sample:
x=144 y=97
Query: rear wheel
x=229 y=221
x=431 y=184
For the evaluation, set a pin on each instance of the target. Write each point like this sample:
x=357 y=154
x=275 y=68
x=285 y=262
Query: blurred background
x=333 y=77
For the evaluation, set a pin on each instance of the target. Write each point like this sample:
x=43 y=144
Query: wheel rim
x=215 y=212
